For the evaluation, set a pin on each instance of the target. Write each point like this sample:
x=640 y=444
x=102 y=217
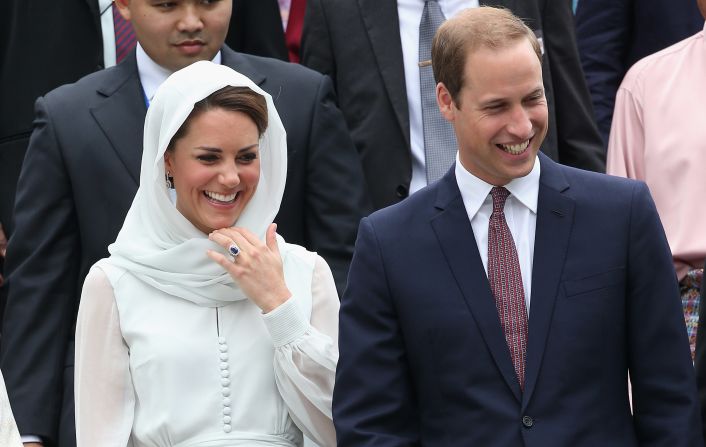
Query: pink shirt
x=659 y=135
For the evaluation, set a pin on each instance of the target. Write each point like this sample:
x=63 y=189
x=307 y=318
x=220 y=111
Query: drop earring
x=170 y=180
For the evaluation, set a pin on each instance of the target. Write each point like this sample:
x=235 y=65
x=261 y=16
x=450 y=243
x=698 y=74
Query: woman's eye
x=249 y=157
x=207 y=158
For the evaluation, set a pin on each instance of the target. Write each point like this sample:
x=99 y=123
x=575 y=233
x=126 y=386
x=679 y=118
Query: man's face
x=501 y=116
x=177 y=33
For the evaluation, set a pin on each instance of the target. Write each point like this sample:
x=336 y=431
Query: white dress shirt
x=107 y=31
x=152 y=75
x=410 y=14
x=520 y=214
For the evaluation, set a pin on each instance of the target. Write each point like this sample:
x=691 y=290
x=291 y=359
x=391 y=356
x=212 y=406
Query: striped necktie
x=124 y=36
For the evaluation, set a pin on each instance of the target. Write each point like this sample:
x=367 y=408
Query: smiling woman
x=204 y=327
x=213 y=159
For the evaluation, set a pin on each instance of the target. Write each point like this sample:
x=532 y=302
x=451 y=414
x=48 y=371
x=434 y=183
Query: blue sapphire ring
x=234 y=250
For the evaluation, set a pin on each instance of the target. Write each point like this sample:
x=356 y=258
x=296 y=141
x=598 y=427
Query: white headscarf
x=157 y=243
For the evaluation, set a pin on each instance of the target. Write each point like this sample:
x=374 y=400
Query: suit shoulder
x=411 y=209
x=663 y=60
x=593 y=185
x=276 y=68
x=85 y=87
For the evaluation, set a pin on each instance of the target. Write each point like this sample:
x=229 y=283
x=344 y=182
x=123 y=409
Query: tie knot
x=500 y=195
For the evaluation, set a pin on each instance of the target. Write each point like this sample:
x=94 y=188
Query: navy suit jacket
x=614 y=34
x=423 y=359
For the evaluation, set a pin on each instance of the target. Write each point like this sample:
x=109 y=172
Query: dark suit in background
x=614 y=34
x=78 y=181
x=423 y=359
x=357 y=43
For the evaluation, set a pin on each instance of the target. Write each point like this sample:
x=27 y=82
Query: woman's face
x=215 y=167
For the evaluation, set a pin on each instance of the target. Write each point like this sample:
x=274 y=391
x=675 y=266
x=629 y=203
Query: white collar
x=474 y=190
x=152 y=75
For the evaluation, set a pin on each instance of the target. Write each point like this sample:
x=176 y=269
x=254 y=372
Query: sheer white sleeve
x=306 y=353
x=103 y=388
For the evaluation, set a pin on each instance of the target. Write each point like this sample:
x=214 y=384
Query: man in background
x=377 y=53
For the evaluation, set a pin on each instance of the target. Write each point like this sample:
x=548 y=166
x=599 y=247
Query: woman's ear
x=168 y=161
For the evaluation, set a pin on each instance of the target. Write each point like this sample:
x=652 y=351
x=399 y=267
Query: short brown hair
x=232 y=99
x=474 y=28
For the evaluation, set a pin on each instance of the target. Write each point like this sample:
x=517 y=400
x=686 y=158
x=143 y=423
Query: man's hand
x=33 y=444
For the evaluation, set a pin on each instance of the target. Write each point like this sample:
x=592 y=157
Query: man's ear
x=445 y=102
x=123 y=7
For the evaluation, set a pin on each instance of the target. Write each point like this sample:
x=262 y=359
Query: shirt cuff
x=31 y=438
x=286 y=323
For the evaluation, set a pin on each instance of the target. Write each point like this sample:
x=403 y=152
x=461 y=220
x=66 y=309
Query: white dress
x=154 y=370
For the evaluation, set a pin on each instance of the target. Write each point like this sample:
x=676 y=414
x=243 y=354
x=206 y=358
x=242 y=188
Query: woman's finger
x=272 y=238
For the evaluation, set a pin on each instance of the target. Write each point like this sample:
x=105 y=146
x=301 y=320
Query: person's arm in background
x=336 y=192
x=256 y=28
x=579 y=142
x=42 y=271
x=602 y=28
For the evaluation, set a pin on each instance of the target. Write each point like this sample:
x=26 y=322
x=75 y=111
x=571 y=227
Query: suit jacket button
x=527 y=421
x=402 y=191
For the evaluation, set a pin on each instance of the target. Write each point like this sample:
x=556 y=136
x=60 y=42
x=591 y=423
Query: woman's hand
x=257 y=268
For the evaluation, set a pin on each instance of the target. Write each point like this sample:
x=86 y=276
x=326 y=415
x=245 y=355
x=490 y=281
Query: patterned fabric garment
x=506 y=283
x=690 y=288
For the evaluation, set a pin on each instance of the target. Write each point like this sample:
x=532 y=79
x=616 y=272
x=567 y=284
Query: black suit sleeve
x=336 y=195
x=256 y=28
x=373 y=399
x=42 y=275
x=602 y=28
x=579 y=142
x=316 y=41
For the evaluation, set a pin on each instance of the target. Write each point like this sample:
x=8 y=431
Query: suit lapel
x=121 y=115
x=455 y=235
x=555 y=216
x=382 y=24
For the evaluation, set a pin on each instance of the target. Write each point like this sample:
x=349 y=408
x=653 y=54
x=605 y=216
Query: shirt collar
x=474 y=190
x=152 y=75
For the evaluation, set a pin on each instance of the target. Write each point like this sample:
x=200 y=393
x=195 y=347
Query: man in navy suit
x=469 y=322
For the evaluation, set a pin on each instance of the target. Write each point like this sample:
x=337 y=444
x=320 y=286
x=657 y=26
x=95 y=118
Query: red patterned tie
x=506 y=283
x=124 y=36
